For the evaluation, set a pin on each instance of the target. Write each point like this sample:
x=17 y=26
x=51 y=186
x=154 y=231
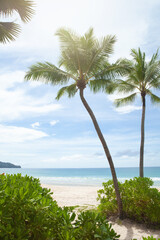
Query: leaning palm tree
x=85 y=61
x=142 y=79
x=10 y=30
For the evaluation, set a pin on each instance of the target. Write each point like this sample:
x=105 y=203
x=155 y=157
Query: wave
x=73 y=180
x=89 y=181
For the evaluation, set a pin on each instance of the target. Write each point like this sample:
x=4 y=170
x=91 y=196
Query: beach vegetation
x=24 y=208
x=28 y=212
x=92 y=225
x=148 y=238
x=83 y=63
x=9 y=30
x=143 y=78
x=141 y=202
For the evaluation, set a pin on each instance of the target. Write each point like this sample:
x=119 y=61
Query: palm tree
x=10 y=30
x=83 y=59
x=141 y=79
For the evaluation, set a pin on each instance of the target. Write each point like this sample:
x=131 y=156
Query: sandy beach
x=85 y=196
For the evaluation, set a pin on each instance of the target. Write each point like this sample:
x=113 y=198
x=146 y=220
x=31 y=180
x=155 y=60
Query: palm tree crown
x=142 y=78
x=10 y=30
x=82 y=58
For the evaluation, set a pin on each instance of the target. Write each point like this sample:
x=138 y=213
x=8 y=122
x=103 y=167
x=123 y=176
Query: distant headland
x=8 y=165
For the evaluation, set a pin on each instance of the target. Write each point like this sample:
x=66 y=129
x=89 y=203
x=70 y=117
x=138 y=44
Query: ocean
x=83 y=176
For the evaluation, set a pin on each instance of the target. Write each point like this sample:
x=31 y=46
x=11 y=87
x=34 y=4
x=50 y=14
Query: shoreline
x=85 y=197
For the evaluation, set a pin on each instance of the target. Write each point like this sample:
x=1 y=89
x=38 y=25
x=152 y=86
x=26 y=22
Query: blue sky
x=38 y=131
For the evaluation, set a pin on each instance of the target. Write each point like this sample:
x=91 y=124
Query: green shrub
x=148 y=238
x=140 y=201
x=28 y=212
x=24 y=208
x=93 y=226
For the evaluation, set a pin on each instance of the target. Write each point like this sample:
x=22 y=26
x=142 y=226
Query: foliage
x=148 y=238
x=142 y=76
x=28 y=212
x=10 y=30
x=92 y=225
x=24 y=208
x=84 y=59
x=140 y=202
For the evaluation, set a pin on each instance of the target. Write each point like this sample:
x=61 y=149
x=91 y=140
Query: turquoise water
x=83 y=176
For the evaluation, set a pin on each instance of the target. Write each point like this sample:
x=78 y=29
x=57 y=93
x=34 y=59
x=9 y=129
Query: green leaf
x=123 y=101
x=69 y=90
x=23 y=7
x=8 y=31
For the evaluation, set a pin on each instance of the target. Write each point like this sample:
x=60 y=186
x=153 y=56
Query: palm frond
x=154 y=98
x=47 y=73
x=25 y=8
x=67 y=37
x=8 y=31
x=122 y=67
x=152 y=72
x=154 y=83
x=104 y=85
x=89 y=34
x=154 y=57
x=84 y=55
x=133 y=79
x=107 y=80
x=100 y=52
x=69 y=90
x=139 y=64
x=138 y=56
x=70 y=53
x=125 y=86
x=106 y=45
x=123 y=101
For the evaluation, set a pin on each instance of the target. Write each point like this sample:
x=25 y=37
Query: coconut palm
x=142 y=78
x=85 y=62
x=10 y=30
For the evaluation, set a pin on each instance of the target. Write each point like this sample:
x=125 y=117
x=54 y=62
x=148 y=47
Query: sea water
x=83 y=176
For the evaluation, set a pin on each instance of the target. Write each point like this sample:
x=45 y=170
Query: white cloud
x=12 y=134
x=127 y=109
x=63 y=159
x=124 y=109
x=9 y=79
x=48 y=160
x=75 y=152
x=35 y=125
x=16 y=102
x=54 y=122
x=74 y=157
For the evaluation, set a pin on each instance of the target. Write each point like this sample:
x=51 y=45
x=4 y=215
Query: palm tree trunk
x=141 y=174
x=107 y=153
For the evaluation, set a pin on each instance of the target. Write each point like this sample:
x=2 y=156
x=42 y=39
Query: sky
x=37 y=131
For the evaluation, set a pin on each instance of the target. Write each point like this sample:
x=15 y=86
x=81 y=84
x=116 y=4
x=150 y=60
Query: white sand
x=74 y=195
x=86 y=196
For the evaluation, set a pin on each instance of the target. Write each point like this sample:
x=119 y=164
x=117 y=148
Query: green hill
x=8 y=165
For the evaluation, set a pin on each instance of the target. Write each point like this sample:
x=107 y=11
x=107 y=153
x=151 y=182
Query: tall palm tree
x=83 y=59
x=10 y=30
x=142 y=79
